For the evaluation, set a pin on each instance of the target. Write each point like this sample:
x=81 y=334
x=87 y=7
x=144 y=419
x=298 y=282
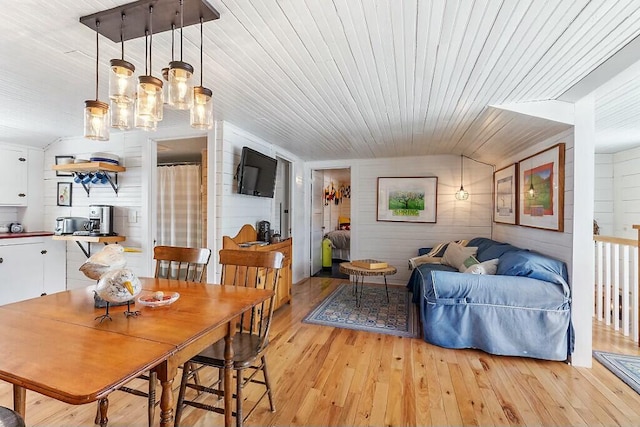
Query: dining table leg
x=166 y=401
x=19 y=400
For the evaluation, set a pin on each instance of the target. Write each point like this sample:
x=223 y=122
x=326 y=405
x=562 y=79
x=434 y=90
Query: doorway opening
x=181 y=202
x=282 y=196
x=330 y=220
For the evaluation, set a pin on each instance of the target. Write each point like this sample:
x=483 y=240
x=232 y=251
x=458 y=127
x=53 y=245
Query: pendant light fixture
x=462 y=194
x=121 y=88
x=149 y=98
x=96 y=113
x=165 y=70
x=201 y=116
x=531 y=192
x=180 y=77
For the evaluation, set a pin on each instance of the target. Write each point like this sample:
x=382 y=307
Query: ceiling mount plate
x=136 y=23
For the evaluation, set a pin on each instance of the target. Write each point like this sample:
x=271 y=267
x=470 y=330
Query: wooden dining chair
x=258 y=269
x=10 y=418
x=172 y=262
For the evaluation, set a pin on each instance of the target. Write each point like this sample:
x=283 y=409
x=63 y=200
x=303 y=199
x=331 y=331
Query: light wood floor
x=338 y=377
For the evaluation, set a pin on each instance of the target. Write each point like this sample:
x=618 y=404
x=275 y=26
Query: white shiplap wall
x=626 y=185
x=396 y=242
x=235 y=209
x=128 y=199
x=230 y=211
x=556 y=244
x=604 y=193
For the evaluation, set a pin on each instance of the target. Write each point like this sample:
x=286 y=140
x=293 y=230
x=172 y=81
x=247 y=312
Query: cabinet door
x=13 y=176
x=55 y=266
x=21 y=270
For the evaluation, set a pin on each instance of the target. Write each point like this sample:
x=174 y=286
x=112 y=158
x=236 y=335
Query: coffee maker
x=101 y=220
x=264 y=232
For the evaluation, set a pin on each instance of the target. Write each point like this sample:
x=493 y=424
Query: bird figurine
x=111 y=257
x=118 y=286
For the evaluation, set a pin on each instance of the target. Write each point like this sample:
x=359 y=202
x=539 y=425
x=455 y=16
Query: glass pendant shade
x=462 y=194
x=96 y=120
x=180 y=85
x=202 y=108
x=531 y=193
x=146 y=123
x=121 y=81
x=165 y=86
x=149 y=99
x=121 y=114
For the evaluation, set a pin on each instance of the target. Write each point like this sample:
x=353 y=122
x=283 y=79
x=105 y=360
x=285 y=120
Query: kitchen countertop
x=25 y=234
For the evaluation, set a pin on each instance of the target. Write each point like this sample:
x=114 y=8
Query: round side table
x=357 y=274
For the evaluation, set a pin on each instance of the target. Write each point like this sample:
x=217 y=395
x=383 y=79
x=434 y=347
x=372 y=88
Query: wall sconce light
x=462 y=194
x=180 y=77
x=201 y=115
x=96 y=112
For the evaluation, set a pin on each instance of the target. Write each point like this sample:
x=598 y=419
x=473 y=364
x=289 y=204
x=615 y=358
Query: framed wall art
x=63 y=160
x=505 y=195
x=407 y=199
x=64 y=193
x=541 y=182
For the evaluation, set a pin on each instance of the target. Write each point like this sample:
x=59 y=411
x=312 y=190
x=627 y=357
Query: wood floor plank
x=336 y=377
x=481 y=400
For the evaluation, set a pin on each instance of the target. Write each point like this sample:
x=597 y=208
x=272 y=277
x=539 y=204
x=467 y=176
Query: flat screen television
x=256 y=173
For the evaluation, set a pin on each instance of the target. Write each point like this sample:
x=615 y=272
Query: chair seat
x=9 y=418
x=245 y=348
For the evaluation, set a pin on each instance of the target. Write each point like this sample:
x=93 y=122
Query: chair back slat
x=182 y=263
x=256 y=269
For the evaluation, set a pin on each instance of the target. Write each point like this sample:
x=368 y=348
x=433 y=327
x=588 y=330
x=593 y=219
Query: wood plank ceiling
x=332 y=79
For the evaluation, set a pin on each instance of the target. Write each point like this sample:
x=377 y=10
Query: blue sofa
x=523 y=310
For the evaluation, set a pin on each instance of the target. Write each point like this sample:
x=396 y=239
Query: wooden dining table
x=54 y=345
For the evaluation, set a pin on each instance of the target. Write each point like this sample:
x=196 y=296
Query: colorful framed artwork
x=505 y=195
x=64 y=193
x=541 y=183
x=407 y=199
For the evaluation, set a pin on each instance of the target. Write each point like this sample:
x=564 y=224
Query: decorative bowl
x=151 y=299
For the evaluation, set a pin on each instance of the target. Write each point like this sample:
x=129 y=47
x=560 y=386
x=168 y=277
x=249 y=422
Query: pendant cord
x=150 y=39
x=181 y=25
x=461 y=169
x=173 y=41
x=201 y=61
x=97 y=57
x=122 y=38
x=146 y=52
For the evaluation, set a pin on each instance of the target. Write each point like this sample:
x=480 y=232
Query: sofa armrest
x=442 y=287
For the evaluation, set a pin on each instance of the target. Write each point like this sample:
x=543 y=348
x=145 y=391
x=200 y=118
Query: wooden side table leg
x=386 y=288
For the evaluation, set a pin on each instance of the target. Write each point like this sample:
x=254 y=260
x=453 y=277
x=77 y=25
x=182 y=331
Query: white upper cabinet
x=13 y=175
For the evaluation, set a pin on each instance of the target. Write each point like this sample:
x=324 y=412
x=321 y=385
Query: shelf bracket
x=87 y=250
x=113 y=185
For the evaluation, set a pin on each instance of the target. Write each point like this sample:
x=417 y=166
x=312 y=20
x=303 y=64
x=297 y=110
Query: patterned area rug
x=625 y=367
x=374 y=314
